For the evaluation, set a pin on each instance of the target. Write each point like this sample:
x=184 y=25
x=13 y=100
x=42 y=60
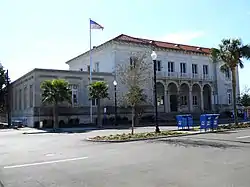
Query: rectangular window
x=158 y=65
x=20 y=99
x=205 y=69
x=227 y=73
x=160 y=100
x=170 y=66
x=31 y=95
x=74 y=97
x=195 y=100
x=184 y=100
x=25 y=98
x=183 y=68
x=97 y=67
x=194 y=69
x=132 y=62
x=94 y=102
x=229 y=98
x=16 y=100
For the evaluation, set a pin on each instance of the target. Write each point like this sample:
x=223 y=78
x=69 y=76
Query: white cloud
x=183 y=37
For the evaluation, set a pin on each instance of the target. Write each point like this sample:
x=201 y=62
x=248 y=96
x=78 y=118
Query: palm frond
x=245 y=52
x=215 y=55
x=240 y=63
x=55 y=91
x=98 y=90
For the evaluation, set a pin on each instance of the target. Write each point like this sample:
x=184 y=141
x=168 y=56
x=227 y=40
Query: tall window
x=94 y=102
x=183 y=67
x=16 y=99
x=184 y=100
x=194 y=69
x=20 y=99
x=170 y=66
x=25 y=97
x=74 y=89
x=205 y=69
x=229 y=98
x=195 y=100
x=227 y=73
x=158 y=65
x=132 y=62
x=97 y=67
x=31 y=95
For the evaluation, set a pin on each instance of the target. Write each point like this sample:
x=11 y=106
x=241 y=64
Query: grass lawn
x=129 y=136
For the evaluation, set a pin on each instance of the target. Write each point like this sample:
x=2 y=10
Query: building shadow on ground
x=187 y=143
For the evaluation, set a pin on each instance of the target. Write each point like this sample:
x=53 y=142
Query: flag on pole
x=94 y=25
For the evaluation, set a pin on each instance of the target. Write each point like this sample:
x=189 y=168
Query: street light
x=154 y=57
x=8 y=95
x=115 y=84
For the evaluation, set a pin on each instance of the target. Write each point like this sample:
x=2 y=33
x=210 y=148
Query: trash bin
x=184 y=121
x=203 y=122
x=209 y=121
x=214 y=121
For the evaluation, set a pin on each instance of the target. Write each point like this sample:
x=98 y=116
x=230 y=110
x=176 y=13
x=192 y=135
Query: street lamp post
x=115 y=84
x=7 y=102
x=154 y=57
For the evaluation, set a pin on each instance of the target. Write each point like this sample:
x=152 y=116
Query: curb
x=160 y=137
x=142 y=139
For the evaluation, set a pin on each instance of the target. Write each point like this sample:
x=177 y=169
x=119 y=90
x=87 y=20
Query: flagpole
x=90 y=69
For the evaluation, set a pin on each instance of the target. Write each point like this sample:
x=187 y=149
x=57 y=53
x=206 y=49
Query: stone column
x=178 y=101
x=166 y=101
x=190 y=101
x=202 y=101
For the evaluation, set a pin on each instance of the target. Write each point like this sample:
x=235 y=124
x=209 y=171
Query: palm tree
x=98 y=90
x=231 y=52
x=55 y=92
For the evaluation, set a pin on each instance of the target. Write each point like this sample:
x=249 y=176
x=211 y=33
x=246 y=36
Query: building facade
x=187 y=79
x=26 y=100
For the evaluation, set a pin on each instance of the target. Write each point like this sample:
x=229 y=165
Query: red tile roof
x=161 y=44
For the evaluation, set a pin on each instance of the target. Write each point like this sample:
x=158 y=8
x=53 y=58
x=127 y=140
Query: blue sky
x=47 y=33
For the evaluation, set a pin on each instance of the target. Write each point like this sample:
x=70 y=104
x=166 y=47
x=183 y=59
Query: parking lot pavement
x=206 y=160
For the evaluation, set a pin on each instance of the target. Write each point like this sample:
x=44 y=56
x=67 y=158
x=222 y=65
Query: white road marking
x=43 y=163
x=50 y=154
x=242 y=137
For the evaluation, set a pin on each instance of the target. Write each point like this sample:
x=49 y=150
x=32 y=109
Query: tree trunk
x=55 y=114
x=133 y=120
x=234 y=96
x=216 y=86
x=99 y=121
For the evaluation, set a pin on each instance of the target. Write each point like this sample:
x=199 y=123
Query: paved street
x=36 y=160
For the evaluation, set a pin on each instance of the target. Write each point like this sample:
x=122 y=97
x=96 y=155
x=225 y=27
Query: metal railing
x=186 y=76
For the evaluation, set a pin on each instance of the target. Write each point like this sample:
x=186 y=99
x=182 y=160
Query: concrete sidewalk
x=94 y=130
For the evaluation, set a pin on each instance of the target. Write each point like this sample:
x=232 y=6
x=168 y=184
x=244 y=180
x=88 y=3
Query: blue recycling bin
x=184 y=121
x=209 y=121
x=214 y=121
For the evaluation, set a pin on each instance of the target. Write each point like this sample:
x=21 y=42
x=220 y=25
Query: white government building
x=187 y=80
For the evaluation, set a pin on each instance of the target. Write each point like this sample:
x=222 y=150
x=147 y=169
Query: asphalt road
x=49 y=160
